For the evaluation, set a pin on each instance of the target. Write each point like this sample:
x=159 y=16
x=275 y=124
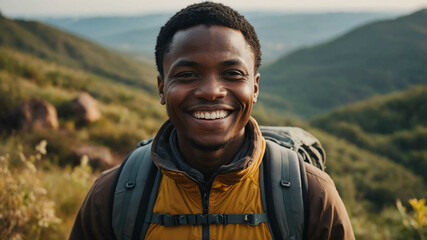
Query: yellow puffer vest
x=234 y=192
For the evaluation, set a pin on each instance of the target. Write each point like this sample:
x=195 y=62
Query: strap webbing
x=130 y=184
x=284 y=192
x=148 y=198
x=286 y=183
x=129 y=190
x=165 y=219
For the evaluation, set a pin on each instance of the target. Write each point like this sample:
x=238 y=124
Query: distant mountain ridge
x=54 y=45
x=373 y=59
x=279 y=33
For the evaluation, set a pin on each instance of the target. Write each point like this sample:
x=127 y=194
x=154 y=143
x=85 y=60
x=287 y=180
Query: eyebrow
x=231 y=62
x=184 y=63
x=187 y=63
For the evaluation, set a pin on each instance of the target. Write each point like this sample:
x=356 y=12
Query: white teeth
x=211 y=115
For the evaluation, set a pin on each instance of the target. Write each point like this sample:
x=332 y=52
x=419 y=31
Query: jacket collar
x=169 y=160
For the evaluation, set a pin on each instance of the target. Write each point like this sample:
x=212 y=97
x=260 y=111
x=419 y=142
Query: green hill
x=129 y=114
x=394 y=126
x=57 y=46
x=373 y=59
x=38 y=61
x=41 y=62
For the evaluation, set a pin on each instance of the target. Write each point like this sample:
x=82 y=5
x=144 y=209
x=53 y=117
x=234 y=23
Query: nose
x=210 y=89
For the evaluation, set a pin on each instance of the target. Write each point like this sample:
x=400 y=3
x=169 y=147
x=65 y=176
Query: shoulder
x=318 y=179
x=93 y=220
x=321 y=188
x=108 y=175
x=98 y=197
x=328 y=217
x=103 y=184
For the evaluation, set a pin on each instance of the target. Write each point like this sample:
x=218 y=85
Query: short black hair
x=209 y=14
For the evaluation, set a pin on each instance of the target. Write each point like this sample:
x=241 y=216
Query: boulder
x=36 y=113
x=99 y=157
x=85 y=108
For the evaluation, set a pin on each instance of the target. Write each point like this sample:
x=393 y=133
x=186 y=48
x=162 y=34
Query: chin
x=212 y=146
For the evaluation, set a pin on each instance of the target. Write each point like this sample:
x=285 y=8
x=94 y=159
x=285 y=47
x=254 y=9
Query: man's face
x=209 y=85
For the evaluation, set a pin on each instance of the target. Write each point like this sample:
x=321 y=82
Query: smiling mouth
x=211 y=115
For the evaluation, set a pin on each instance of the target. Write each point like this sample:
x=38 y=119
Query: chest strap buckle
x=165 y=219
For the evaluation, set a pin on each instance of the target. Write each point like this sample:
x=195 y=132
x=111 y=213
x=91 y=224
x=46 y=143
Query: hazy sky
x=125 y=7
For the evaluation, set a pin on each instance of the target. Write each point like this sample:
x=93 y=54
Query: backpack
x=283 y=185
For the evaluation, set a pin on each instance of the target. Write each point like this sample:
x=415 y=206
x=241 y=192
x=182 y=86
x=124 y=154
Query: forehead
x=205 y=40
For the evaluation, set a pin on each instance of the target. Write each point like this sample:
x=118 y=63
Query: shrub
x=39 y=204
x=415 y=221
x=11 y=95
x=25 y=208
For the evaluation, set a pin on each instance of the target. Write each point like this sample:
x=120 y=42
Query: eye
x=185 y=76
x=233 y=75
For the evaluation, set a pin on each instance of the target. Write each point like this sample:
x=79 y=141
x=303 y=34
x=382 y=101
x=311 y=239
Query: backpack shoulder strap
x=283 y=189
x=134 y=194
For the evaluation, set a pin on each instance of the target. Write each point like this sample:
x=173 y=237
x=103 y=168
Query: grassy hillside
x=376 y=58
x=37 y=61
x=129 y=114
x=57 y=46
x=394 y=126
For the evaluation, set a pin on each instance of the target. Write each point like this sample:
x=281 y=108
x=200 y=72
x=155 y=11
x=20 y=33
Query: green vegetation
x=374 y=59
x=129 y=114
x=39 y=203
x=394 y=126
x=369 y=185
x=59 y=47
x=41 y=195
x=415 y=221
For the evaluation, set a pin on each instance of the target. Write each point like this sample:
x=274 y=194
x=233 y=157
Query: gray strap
x=165 y=219
x=263 y=195
x=151 y=202
x=286 y=190
x=127 y=195
x=286 y=183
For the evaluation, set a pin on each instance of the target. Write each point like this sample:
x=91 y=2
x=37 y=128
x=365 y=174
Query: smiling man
x=209 y=152
x=209 y=86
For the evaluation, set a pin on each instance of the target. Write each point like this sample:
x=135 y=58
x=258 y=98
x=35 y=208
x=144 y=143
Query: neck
x=208 y=161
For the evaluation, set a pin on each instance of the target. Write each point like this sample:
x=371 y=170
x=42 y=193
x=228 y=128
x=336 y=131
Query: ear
x=160 y=86
x=256 y=87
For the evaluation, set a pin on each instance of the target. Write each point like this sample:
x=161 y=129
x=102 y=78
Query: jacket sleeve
x=93 y=220
x=328 y=218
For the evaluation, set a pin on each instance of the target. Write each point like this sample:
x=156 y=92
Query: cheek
x=173 y=94
x=245 y=95
x=174 y=99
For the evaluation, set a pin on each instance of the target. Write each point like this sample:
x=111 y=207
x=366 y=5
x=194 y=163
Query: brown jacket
x=328 y=218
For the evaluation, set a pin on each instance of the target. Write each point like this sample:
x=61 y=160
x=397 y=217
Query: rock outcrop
x=85 y=108
x=99 y=157
x=36 y=113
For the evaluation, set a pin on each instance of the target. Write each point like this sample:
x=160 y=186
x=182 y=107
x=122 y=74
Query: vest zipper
x=205 y=203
